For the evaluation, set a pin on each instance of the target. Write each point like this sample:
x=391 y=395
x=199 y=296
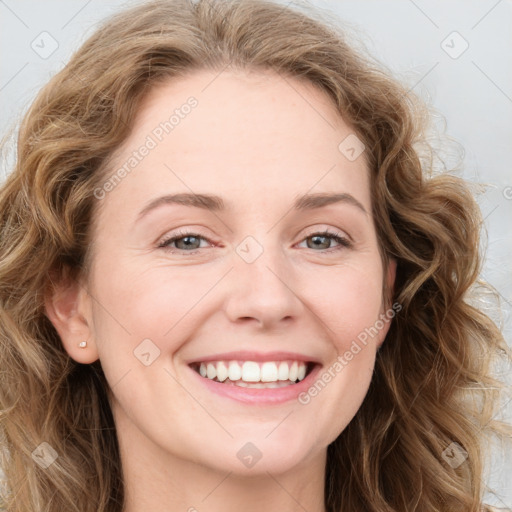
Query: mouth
x=255 y=374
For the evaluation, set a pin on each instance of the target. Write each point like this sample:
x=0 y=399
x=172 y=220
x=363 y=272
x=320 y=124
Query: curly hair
x=432 y=384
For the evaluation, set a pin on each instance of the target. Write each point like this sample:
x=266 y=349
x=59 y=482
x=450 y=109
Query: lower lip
x=260 y=396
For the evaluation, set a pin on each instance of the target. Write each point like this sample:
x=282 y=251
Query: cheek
x=165 y=304
x=159 y=301
x=348 y=305
x=142 y=318
x=348 y=300
x=134 y=303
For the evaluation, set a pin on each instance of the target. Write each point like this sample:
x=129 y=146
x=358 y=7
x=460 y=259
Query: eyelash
x=344 y=243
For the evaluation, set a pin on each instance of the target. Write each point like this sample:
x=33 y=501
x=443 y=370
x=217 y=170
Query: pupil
x=315 y=240
x=188 y=241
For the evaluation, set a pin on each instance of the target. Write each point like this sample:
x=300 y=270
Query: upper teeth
x=251 y=371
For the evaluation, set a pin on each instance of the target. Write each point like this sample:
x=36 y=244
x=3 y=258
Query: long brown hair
x=432 y=384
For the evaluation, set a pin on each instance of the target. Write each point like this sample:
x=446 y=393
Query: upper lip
x=246 y=355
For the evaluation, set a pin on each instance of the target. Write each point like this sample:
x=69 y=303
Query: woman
x=228 y=280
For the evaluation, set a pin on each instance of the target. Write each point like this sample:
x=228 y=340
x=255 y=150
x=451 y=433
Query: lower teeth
x=263 y=385
x=257 y=385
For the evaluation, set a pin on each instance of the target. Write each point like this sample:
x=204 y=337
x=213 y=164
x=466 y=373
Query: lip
x=246 y=355
x=269 y=396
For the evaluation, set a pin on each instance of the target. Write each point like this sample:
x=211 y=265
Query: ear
x=387 y=312
x=68 y=307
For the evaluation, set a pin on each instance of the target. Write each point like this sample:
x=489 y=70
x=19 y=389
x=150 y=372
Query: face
x=269 y=267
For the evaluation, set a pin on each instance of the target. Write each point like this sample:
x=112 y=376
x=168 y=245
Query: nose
x=262 y=292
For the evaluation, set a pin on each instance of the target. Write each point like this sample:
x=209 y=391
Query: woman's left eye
x=189 y=242
x=323 y=241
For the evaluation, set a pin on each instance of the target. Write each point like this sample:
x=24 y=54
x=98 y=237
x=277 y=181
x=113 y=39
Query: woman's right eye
x=186 y=242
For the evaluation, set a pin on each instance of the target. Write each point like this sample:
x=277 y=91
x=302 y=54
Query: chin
x=257 y=455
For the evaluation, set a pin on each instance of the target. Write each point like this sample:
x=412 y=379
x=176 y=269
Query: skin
x=259 y=143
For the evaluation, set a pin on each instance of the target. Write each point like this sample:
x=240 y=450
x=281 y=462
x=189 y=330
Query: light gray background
x=471 y=93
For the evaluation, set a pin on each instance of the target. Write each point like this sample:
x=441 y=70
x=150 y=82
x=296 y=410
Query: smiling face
x=212 y=243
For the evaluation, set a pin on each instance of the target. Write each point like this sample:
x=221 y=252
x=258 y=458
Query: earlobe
x=67 y=306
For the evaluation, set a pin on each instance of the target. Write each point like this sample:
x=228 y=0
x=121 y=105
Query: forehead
x=259 y=133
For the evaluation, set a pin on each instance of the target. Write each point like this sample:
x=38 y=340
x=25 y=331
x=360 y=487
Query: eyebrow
x=216 y=203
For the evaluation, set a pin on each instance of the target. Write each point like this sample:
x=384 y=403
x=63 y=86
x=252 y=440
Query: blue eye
x=184 y=242
x=323 y=241
x=190 y=242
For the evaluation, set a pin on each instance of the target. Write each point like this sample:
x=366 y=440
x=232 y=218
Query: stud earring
x=82 y=344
